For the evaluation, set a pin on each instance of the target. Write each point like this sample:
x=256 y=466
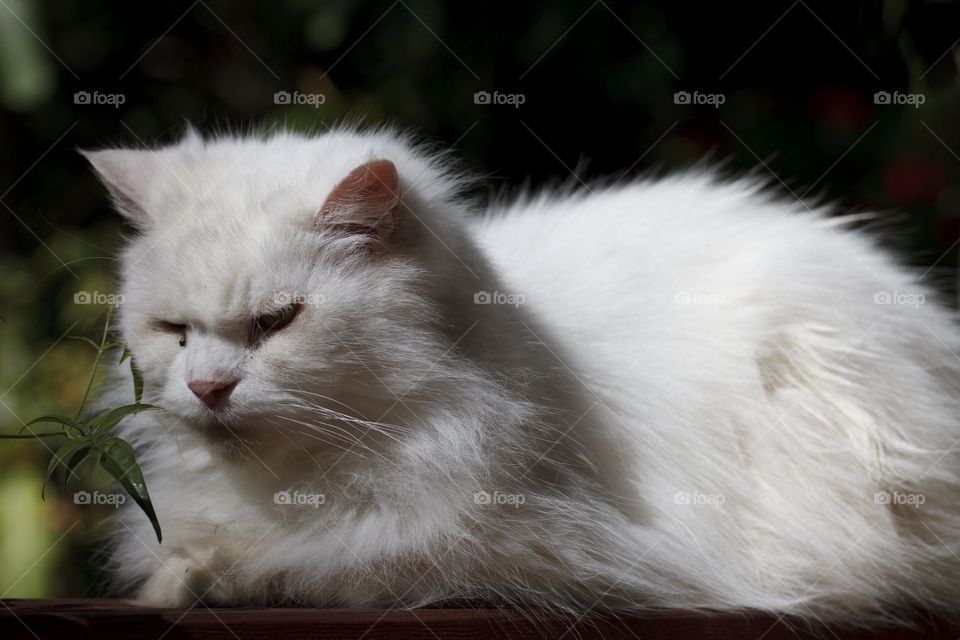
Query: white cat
x=682 y=392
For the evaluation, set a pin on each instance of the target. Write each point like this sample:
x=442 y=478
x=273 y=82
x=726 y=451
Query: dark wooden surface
x=117 y=619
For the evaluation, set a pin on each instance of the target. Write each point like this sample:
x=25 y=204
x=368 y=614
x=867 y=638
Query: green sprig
x=90 y=438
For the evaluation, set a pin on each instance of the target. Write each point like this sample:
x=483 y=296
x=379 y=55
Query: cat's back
x=691 y=268
x=662 y=247
x=670 y=229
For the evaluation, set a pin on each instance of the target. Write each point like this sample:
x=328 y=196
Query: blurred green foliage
x=598 y=81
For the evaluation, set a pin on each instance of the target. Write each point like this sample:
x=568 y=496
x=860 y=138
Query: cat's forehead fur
x=225 y=223
x=207 y=176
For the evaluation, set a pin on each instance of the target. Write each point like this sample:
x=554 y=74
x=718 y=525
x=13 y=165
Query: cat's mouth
x=222 y=427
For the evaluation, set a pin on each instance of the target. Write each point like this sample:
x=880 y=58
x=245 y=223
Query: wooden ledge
x=121 y=620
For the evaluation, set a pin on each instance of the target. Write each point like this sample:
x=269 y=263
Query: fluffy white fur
x=697 y=399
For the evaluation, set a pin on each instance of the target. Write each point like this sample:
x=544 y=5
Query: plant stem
x=30 y=436
x=96 y=362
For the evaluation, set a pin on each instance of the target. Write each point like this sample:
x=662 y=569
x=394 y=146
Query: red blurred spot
x=909 y=181
x=704 y=140
x=948 y=231
x=841 y=108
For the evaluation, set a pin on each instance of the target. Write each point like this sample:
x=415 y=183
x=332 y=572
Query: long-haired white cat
x=680 y=392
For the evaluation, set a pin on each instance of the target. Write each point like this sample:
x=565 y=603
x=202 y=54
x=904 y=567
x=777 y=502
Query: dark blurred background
x=852 y=101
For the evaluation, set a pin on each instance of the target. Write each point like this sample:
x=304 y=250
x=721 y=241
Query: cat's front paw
x=169 y=585
x=182 y=581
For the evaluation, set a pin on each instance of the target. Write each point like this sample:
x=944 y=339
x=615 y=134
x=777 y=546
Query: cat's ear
x=126 y=173
x=366 y=202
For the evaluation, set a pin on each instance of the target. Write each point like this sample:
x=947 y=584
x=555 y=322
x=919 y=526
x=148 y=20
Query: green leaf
x=110 y=346
x=137 y=381
x=66 y=449
x=118 y=458
x=109 y=419
x=87 y=340
x=66 y=421
x=134 y=371
x=76 y=459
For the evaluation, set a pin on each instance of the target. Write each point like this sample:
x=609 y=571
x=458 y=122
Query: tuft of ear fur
x=366 y=202
x=133 y=175
x=125 y=173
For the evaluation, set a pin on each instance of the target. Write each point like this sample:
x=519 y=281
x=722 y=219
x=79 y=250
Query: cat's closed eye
x=263 y=326
x=173 y=328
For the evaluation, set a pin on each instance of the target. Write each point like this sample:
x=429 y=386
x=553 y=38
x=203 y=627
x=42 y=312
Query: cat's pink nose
x=212 y=393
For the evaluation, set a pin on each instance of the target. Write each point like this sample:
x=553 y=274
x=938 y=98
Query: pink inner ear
x=367 y=201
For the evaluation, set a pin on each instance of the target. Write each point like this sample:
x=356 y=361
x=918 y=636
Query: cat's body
x=672 y=393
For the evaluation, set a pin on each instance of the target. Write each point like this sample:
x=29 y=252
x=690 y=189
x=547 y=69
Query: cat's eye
x=174 y=328
x=264 y=325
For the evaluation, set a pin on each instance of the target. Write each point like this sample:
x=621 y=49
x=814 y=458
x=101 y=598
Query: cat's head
x=273 y=276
